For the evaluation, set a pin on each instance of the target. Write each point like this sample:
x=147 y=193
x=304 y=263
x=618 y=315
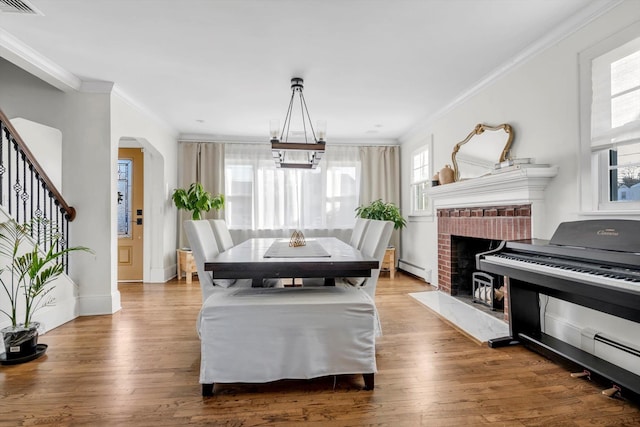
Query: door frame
x=154 y=193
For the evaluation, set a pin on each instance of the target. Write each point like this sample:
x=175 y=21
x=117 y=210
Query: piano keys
x=594 y=264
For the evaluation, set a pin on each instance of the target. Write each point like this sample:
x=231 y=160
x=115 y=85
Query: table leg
x=256 y=282
x=329 y=281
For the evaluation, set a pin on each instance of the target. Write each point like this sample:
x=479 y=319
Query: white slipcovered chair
x=356 y=241
x=223 y=236
x=374 y=244
x=258 y=335
x=358 y=232
x=204 y=247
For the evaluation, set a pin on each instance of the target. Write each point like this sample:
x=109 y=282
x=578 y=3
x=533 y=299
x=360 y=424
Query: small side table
x=185 y=264
x=389 y=262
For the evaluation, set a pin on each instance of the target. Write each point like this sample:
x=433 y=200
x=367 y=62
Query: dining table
x=267 y=258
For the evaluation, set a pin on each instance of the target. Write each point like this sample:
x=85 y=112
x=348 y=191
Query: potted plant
x=196 y=200
x=27 y=279
x=385 y=211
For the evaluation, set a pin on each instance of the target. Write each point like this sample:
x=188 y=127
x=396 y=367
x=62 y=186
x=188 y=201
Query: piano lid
x=622 y=235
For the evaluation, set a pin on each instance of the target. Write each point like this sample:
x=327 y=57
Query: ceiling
x=373 y=70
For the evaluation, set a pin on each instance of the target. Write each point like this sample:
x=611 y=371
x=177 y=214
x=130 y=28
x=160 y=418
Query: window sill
x=612 y=213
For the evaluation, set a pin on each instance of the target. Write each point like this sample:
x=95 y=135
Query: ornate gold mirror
x=477 y=154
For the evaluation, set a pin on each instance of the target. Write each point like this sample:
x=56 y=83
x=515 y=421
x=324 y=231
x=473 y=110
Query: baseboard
x=99 y=304
x=415 y=270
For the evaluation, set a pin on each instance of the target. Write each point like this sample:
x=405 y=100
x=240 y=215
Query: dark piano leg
x=207 y=390
x=329 y=281
x=368 y=381
x=524 y=314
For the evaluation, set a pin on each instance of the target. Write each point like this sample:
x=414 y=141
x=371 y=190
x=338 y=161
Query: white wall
x=45 y=143
x=88 y=179
x=540 y=100
x=133 y=128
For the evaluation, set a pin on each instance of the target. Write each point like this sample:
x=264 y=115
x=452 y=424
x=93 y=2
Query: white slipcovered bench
x=256 y=335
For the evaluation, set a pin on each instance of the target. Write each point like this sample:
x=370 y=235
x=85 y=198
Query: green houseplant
x=27 y=277
x=196 y=200
x=385 y=211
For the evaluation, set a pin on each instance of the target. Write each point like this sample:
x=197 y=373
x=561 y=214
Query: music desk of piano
x=594 y=264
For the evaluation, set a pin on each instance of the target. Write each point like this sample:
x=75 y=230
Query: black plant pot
x=20 y=342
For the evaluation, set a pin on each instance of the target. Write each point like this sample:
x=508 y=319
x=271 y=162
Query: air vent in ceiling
x=18 y=6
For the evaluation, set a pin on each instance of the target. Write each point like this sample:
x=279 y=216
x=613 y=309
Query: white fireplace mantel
x=520 y=186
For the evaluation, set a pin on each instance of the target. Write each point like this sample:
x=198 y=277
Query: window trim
x=592 y=165
x=428 y=147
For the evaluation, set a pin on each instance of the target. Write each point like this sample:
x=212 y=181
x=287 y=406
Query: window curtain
x=615 y=118
x=263 y=200
x=201 y=162
x=380 y=178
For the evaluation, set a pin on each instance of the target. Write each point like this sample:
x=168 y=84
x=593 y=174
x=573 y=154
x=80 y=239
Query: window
x=610 y=84
x=260 y=196
x=420 y=181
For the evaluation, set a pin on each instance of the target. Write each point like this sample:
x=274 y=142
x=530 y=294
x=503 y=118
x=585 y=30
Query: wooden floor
x=140 y=367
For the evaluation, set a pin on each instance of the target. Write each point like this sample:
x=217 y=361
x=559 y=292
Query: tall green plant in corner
x=27 y=276
x=385 y=211
x=196 y=200
x=30 y=273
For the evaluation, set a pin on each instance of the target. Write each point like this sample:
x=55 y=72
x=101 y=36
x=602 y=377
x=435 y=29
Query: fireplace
x=463 y=232
x=495 y=207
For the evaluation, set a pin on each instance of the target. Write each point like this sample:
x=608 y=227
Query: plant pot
x=20 y=342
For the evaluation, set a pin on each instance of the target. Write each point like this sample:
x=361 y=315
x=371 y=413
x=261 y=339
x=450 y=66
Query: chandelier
x=302 y=153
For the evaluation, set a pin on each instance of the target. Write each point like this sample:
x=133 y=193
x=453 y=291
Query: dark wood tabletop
x=247 y=261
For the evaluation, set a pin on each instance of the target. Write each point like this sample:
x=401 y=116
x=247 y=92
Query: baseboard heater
x=610 y=348
x=618 y=345
x=414 y=270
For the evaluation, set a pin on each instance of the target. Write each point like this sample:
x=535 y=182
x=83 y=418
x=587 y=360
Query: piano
x=593 y=263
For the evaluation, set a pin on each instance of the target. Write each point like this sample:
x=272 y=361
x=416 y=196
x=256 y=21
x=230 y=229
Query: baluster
x=23 y=195
x=64 y=238
x=3 y=130
x=31 y=193
x=9 y=171
x=40 y=184
x=57 y=227
x=17 y=186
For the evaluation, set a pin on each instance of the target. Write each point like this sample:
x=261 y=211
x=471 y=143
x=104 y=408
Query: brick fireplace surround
x=488 y=222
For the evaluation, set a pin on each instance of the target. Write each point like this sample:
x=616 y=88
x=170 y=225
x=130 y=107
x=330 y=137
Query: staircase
x=26 y=192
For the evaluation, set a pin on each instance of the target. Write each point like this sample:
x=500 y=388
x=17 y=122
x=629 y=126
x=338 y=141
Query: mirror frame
x=478 y=130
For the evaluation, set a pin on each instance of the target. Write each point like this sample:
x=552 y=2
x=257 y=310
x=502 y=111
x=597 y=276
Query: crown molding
x=568 y=27
x=95 y=86
x=21 y=55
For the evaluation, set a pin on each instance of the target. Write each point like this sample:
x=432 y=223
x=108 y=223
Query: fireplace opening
x=467 y=283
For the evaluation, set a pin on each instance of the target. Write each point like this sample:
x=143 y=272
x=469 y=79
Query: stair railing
x=26 y=191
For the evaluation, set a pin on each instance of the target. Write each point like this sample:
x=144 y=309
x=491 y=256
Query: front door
x=130 y=214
